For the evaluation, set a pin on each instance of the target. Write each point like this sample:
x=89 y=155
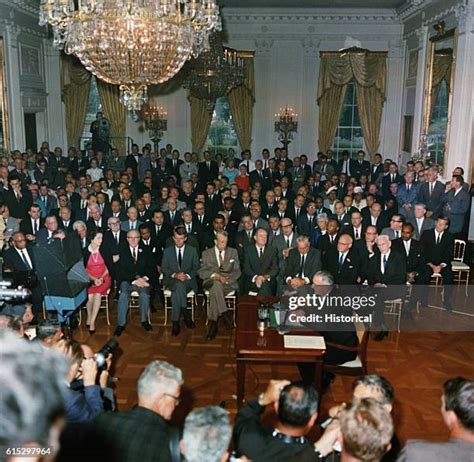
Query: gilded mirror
x=438 y=92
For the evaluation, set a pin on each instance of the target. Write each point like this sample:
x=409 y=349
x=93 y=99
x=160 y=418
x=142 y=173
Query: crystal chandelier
x=131 y=43
x=215 y=72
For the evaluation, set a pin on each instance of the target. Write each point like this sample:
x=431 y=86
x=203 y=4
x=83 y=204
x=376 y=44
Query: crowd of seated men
x=147 y=217
x=57 y=406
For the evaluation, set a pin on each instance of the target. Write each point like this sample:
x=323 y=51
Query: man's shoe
x=448 y=307
x=188 y=322
x=211 y=330
x=147 y=326
x=175 y=329
x=118 y=331
x=380 y=336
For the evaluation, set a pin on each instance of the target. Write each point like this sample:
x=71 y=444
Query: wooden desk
x=252 y=348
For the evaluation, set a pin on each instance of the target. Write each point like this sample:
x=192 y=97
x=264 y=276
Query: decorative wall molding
x=10 y=23
x=310 y=46
x=372 y=16
x=456 y=10
x=263 y=46
x=30 y=7
x=411 y=8
x=33 y=100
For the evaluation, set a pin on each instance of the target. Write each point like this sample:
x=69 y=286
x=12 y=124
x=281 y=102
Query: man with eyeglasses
x=343 y=261
x=395 y=229
x=143 y=433
x=366 y=248
x=20 y=261
x=135 y=269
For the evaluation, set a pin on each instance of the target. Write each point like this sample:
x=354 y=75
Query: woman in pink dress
x=97 y=269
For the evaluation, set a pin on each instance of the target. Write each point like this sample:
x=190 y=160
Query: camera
x=101 y=356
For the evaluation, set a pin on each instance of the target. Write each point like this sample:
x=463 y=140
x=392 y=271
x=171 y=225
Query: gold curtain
x=114 y=110
x=441 y=70
x=241 y=101
x=369 y=70
x=200 y=122
x=75 y=83
x=330 y=104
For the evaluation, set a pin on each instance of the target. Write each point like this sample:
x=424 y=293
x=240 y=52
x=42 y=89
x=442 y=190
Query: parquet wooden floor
x=416 y=364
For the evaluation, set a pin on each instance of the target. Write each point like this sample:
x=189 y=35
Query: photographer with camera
x=83 y=400
x=100 y=130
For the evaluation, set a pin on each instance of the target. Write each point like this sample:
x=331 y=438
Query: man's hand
x=429 y=213
x=272 y=393
x=30 y=237
x=407 y=207
x=329 y=437
x=140 y=282
x=181 y=276
x=297 y=282
x=336 y=410
x=115 y=258
x=59 y=235
x=89 y=371
x=286 y=251
x=259 y=281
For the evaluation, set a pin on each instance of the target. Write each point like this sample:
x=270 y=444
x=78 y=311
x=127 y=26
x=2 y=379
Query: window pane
x=93 y=107
x=221 y=134
x=349 y=134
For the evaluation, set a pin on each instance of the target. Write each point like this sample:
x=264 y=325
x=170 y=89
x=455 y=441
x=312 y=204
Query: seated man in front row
x=302 y=264
x=260 y=265
x=179 y=267
x=136 y=269
x=220 y=271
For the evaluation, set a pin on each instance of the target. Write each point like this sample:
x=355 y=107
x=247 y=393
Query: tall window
x=438 y=124
x=349 y=132
x=221 y=134
x=93 y=106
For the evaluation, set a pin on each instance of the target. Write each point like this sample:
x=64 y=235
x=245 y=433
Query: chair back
x=459 y=249
x=362 y=331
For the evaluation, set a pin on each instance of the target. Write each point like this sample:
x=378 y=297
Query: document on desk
x=313 y=342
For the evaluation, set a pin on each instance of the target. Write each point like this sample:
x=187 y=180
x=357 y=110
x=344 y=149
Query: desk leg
x=318 y=375
x=240 y=382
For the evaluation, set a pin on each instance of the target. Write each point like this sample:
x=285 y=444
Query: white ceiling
x=312 y=3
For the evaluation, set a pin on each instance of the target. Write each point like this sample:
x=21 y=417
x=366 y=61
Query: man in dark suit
x=31 y=225
x=260 y=175
x=387 y=274
x=302 y=263
x=174 y=164
x=131 y=161
x=160 y=230
x=328 y=240
x=50 y=231
x=17 y=199
x=172 y=216
x=20 y=261
x=307 y=221
x=343 y=261
x=437 y=247
x=392 y=177
x=297 y=412
x=213 y=201
x=360 y=166
x=356 y=227
x=113 y=242
x=208 y=169
x=208 y=237
x=269 y=206
x=366 y=249
x=260 y=265
x=345 y=164
x=135 y=270
x=431 y=191
x=141 y=433
x=200 y=216
x=244 y=237
x=179 y=267
x=95 y=223
x=376 y=168
x=65 y=219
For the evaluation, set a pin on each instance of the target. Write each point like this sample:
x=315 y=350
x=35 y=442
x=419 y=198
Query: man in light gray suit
x=395 y=229
x=179 y=267
x=455 y=204
x=420 y=222
x=132 y=222
x=187 y=168
x=283 y=244
x=220 y=271
x=457 y=413
x=12 y=224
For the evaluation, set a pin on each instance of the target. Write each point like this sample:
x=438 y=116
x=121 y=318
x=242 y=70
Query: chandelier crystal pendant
x=215 y=72
x=132 y=43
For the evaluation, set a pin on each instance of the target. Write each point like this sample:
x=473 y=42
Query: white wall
x=32 y=74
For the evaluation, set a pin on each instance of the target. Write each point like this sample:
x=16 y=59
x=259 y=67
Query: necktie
x=116 y=238
x=431 y=188
x=287 y=242
x=180 y=258
x=200 y=219
x=438 y=240
x=248 y=166
x=310 y=222
x=357 y=234
x=408 y=188
x=261 y=253
x=221 y=260
x=189 y=228
x=249 y=234
x=341 y=260
x=83 y=206
x=302 y=266
x=393 y=178
x=397 y=235
x=25 y=260
x=172 y=216
x=35 y=230
x=297 y=213
x=134 y=254
x=384 y=262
